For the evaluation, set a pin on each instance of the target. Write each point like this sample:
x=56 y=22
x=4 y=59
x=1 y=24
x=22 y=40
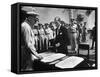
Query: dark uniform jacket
x=62 y=38
x=94 y=33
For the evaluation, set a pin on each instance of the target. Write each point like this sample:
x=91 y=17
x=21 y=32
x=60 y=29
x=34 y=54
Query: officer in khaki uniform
x=74 y=36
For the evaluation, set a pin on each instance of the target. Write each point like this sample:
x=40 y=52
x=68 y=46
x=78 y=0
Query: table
x=57 y=61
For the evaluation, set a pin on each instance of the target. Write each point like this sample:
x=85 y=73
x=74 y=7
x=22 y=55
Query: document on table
x=45 y=54
x=52 y=57
x=69 y=62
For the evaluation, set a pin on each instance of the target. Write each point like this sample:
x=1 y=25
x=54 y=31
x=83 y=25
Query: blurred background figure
x=42 y=37
x=80 y=32
x=49 y=33
x=36 y=36
x=74 y=35
x=93 y=36
x=84 y=32
x=46 y=42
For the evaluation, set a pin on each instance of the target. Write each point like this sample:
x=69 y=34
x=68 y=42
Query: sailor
x=74 y=36
x=49 y=33
x=41 y=37
x=28 y=50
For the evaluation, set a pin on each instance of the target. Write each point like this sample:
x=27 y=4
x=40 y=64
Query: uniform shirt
x=35 y=31
x=74 y=28
x=49 y=33
x=42 y=34
x=41 y=31
x=29 y=37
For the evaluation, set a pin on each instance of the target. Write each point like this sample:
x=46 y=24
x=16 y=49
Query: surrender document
x=69 y=62
x=52 y=57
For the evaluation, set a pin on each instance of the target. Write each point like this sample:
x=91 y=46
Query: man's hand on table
x=39 y=57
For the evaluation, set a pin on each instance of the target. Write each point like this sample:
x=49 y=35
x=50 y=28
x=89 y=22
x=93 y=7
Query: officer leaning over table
x=61 y=39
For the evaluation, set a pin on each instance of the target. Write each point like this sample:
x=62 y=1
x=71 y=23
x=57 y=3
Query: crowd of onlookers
x=45 y=33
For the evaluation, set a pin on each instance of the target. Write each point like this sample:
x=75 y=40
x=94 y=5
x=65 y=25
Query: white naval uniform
x=42 y=38
x=29 y=38
x=35 y=31
x=49 y=35
x=74 y=36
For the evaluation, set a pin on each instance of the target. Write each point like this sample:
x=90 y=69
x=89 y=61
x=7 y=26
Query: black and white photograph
x=57 y=38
